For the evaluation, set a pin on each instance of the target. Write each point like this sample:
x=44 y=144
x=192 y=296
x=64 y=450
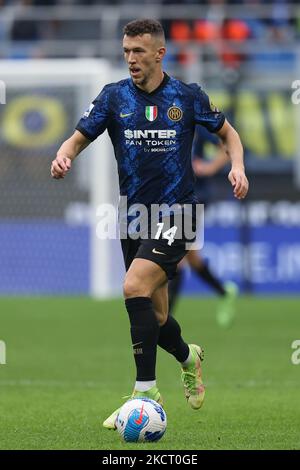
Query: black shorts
x=160 y=251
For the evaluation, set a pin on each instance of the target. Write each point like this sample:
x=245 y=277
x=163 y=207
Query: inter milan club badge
x=151 y=113
x=174 y=113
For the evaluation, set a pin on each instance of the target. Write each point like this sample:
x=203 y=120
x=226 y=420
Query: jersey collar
x=153 y=92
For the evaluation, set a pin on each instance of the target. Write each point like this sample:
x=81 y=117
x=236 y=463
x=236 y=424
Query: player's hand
x=60 y=166
x=202 y=168
x=239 y=182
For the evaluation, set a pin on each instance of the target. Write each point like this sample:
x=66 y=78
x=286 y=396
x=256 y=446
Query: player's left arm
x=234 y=148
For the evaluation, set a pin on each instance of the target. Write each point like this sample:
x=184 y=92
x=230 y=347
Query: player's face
x=143 y=55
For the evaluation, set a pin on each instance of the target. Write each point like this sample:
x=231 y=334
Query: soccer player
x=204 y=170
x=150 y=118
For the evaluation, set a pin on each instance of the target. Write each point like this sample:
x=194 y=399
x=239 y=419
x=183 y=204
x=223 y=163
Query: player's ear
x=160 y=54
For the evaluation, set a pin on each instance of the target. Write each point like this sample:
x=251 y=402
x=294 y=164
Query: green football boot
x=191 y=377
x=227 y=305
x=153 y=394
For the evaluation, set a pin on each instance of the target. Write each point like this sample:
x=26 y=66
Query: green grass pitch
x=69 y=363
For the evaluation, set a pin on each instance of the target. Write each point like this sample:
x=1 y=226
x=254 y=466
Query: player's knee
x=134 y=287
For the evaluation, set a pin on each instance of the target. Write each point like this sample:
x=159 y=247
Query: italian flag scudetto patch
x=151 y=113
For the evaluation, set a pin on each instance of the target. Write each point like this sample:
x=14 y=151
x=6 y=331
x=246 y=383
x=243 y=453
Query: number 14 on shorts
x=168 y=234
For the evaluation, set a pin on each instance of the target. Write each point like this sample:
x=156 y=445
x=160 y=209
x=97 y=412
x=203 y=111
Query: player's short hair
x=146 y=26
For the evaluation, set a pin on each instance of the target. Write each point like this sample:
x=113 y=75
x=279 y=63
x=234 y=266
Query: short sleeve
x=95 y=120
x=206 y=113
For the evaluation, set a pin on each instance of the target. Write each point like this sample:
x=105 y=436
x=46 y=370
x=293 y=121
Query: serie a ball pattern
x=141 y=420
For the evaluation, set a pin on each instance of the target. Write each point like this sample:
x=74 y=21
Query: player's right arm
x=67 y=153
x=93 y=122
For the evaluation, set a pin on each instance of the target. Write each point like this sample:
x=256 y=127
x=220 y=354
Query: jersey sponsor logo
x=175 y=113
x=150 y=134
x=151 y=140
x=151 y=113
x=124 y=115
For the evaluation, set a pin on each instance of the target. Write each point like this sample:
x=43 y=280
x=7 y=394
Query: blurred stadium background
x=246 y=55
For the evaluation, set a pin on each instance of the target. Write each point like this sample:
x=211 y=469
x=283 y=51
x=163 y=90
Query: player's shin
x=144 y=334
x=170 y=340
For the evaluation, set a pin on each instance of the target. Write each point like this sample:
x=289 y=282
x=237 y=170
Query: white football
x=141 y=420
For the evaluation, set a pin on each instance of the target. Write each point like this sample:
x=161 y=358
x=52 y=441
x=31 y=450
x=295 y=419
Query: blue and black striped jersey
x=152 y=135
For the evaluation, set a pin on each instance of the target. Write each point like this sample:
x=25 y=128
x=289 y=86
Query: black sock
x=174 y=287
x=205 y=273
x=144 y=334
x=171 y=341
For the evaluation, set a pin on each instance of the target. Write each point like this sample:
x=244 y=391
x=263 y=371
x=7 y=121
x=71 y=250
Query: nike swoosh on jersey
x=157 y=252
x=125 y=115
